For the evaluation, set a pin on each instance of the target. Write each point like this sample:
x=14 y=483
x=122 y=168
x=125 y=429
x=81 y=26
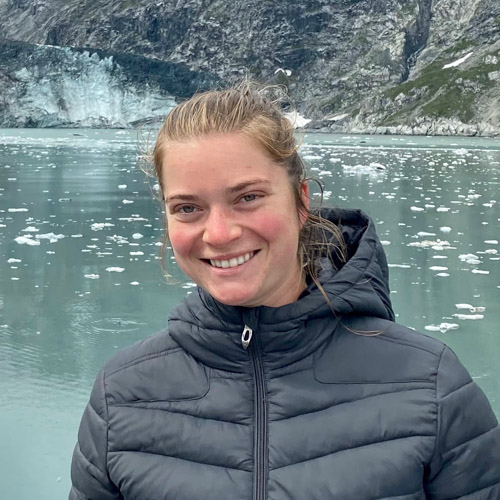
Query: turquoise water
x=80 y=276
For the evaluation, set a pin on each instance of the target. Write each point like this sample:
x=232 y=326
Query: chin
x=234 y=299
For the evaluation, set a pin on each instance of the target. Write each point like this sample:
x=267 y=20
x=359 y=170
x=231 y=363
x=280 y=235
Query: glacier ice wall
x=47 y=86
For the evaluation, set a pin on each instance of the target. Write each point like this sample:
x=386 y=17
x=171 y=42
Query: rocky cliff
x=410 y=66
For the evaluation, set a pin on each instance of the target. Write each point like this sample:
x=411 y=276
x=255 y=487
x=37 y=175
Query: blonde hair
x=250 y=109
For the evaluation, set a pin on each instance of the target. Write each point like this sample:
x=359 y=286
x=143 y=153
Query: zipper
x=246 y=337
x=260 y=411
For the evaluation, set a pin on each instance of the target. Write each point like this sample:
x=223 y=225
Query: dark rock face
x=378 y=61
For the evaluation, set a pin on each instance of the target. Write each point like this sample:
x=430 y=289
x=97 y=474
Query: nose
x=220 y=229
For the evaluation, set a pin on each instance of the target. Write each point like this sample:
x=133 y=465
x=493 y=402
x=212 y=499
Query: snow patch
x=458 y=62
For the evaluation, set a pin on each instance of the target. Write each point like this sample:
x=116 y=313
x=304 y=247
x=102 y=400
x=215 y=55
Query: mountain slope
x=362 y=65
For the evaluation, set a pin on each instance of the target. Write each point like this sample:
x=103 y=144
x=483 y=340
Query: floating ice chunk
x=13 y=261
x=417 y=209
x=443 y=327
x=385 y=243
x=361 y=168
x=423 y=233
x=401 y=266
x=122 y=186
x=442 y=275
x=445 y=229
x=115 y=269
x=136 y=253
x=98 y=226
x=26 y=240
x=377 y=166
x=438 y=268
x=461 y=151
x=77 y=235
x=458 y=61
x=469 y=258
x=137 y=236
x=50 y=236
x=436 y=245
x=30 y=229
x=471 y=308
x=91 y=276
x=442 y=209
x=189 y=284
x=17 y=210
x=135 y=283
x=492 y=251
x=135 y=218
x=468 y=316
x=127 y=202
x=491 y=242
x=312 y=157
x=480 y=271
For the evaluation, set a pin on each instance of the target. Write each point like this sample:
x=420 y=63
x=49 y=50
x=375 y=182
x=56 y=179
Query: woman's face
x=232 y=220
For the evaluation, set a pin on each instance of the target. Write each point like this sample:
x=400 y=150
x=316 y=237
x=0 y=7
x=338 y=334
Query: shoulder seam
x=146 y=357
x=408 y=344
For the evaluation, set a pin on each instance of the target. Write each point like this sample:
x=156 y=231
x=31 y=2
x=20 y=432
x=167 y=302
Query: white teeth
x=234 y=262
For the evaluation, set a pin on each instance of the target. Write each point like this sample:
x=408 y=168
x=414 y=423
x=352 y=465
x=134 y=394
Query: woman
x=284 y=376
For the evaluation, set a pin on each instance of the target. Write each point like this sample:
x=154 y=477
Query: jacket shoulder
x=154 y=369
x=372 y=350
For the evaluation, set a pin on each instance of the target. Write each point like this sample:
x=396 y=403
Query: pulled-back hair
x=250 y=109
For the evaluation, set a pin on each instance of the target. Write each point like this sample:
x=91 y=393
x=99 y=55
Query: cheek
x=278 y=229
x=180 y=240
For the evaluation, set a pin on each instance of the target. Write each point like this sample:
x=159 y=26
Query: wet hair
x=255 y=111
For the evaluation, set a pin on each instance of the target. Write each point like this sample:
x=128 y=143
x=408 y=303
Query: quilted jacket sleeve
x=89 y=475
x=466 y=461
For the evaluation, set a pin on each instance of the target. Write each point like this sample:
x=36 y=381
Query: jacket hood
x=360 y=286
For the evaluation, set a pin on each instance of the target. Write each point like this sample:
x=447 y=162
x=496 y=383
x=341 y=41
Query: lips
x=232 y=262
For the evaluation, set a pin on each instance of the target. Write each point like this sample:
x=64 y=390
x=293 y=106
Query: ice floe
x=115 y=269
x=99 y=226
x=442 y=327
x=50 y=236
x=26 y=240
x=468 y=316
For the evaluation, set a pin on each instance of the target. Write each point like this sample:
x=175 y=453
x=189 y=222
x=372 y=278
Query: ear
x=304 y=195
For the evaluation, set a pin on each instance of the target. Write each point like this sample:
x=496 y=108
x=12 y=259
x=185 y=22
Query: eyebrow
x=231 y=190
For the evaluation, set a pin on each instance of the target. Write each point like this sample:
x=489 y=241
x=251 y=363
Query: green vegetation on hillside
x=443 y=92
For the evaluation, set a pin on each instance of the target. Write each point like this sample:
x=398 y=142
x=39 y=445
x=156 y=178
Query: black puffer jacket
x=309 y=411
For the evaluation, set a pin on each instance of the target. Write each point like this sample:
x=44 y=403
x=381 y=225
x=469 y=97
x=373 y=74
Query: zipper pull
x=246 y=337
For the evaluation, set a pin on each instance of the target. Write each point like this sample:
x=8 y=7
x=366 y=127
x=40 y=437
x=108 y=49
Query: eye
x=186 y=209
x=249 y=197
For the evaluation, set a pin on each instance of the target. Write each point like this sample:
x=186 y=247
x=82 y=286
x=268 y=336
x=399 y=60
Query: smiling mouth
x=234 y=262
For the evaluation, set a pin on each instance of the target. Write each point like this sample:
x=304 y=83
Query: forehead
x=216 y=161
